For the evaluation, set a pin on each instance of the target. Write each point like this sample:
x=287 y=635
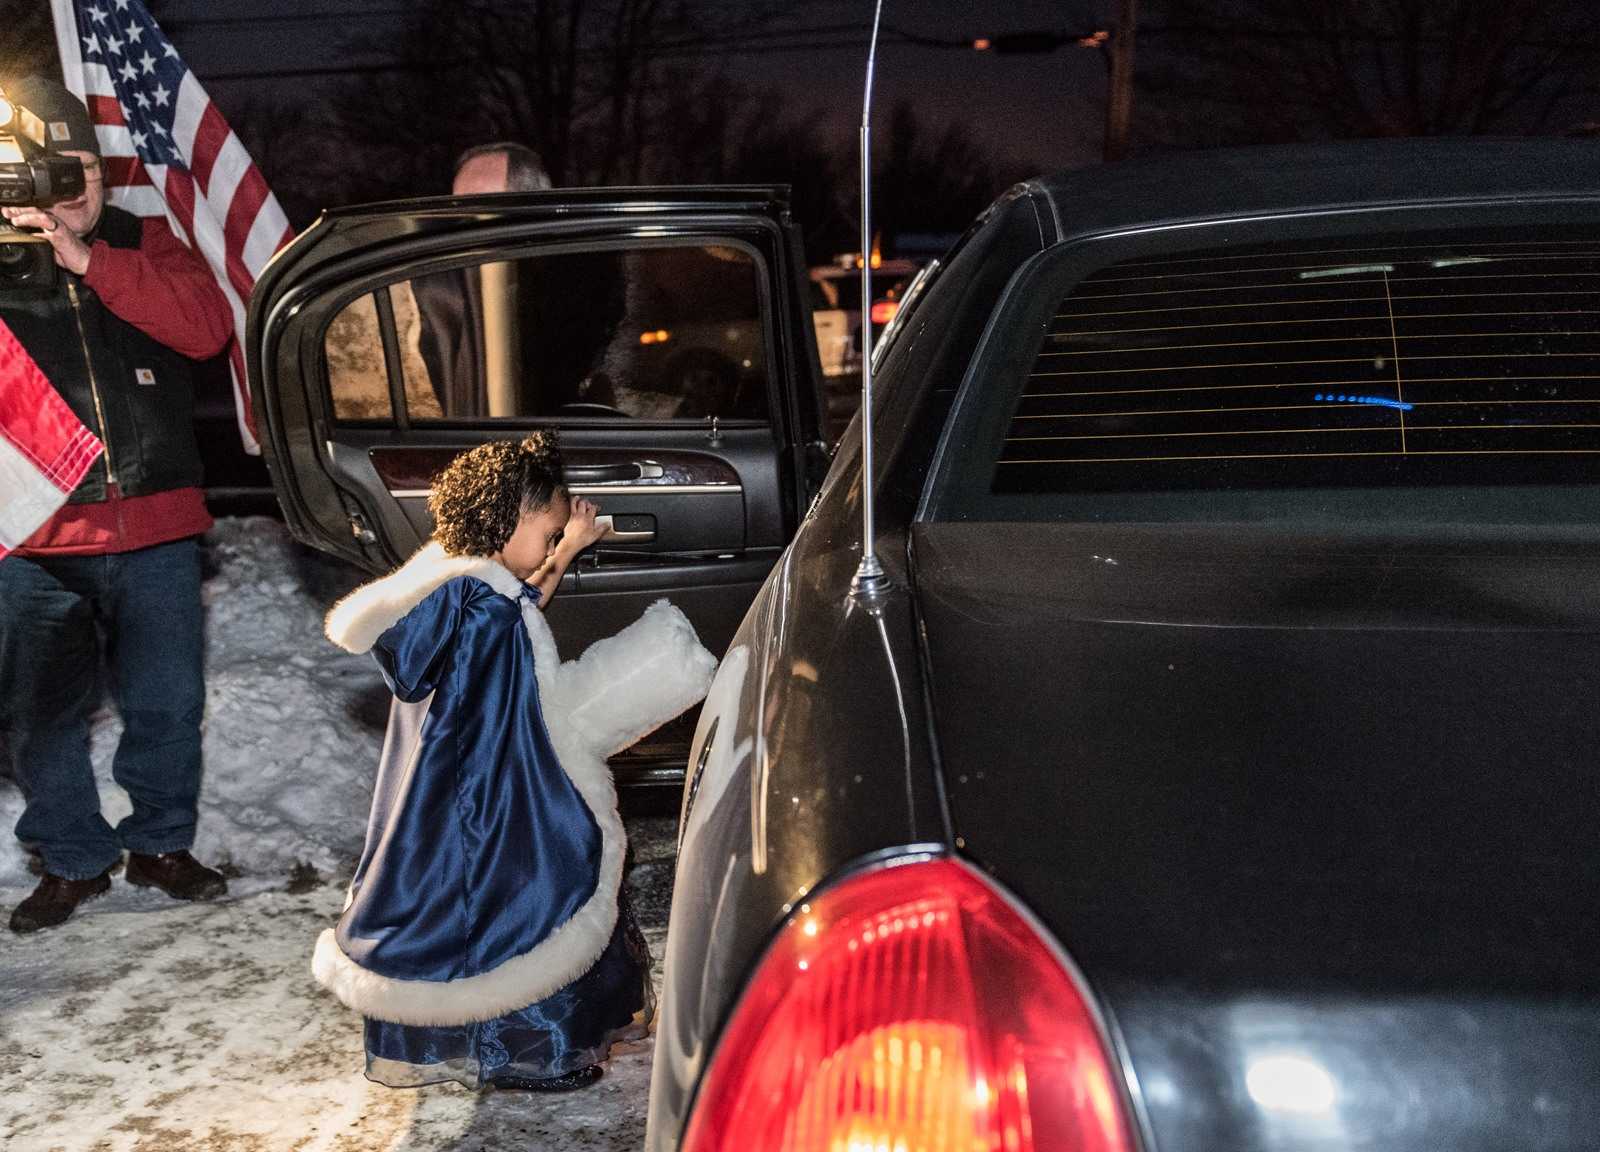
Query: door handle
x=601 y=473
x=627 y=529
x=611 y=473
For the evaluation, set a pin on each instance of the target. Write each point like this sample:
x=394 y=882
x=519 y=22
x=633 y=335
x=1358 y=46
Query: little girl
x=485 y=937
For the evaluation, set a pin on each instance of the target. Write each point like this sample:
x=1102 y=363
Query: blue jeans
x=147 y=603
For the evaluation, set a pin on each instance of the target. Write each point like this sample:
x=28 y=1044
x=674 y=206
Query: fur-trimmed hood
x=622 y=688
x=356 y=621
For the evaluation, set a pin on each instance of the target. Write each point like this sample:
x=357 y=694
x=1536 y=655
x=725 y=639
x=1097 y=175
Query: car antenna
x=870 y=578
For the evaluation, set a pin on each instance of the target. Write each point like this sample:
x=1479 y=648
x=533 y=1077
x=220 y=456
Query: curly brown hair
x=478 y=500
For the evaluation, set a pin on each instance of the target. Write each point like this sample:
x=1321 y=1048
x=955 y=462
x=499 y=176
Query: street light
x=1117 y=43
x=1033 y=43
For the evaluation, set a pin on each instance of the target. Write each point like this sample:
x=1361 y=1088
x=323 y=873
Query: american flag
x=44 y=447
x=166 y=150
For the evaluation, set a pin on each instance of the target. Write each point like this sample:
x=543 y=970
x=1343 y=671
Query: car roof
x=1263 y=181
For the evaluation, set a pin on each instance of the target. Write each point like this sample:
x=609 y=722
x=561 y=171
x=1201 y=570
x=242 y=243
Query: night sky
x=1037 y=111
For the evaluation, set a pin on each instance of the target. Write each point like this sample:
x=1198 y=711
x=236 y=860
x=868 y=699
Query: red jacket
x=164 y=289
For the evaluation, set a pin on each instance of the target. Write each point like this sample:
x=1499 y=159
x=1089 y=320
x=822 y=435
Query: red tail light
x=883 y=311
x=911 y=1009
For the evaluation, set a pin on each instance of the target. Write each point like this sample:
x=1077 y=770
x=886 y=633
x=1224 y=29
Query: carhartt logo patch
x=59 y=131
x=144 y=376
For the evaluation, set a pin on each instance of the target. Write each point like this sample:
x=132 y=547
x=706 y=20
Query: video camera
x=30 y=177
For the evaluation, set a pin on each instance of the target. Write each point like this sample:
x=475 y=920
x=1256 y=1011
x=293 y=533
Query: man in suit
x=451 y=303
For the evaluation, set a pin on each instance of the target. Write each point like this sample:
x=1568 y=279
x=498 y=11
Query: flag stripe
x=248 y=197
x=44 y=447
x=207 y=233
x=158 y=177
x=231 y=164
x=124 y=171
x=210 y=137
x=29 y=497
x=141 y=200
x=241 y=393
x=68 y=46
x=104 y=110
x=186 y=121
x=262 y=242
x=179 y=194
x=97 y=81
x=115 y=140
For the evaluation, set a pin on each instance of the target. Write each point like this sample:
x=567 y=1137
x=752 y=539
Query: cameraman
x=115 y=336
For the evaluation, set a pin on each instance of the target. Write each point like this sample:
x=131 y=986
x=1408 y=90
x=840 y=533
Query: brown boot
x=178 y=874
x=56 y=899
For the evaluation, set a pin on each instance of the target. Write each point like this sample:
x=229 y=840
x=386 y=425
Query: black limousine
x=1219 y=771
x=1216 y=770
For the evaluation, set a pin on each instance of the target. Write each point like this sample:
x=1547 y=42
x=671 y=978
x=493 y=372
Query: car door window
x=358 y=375
x=653 y=334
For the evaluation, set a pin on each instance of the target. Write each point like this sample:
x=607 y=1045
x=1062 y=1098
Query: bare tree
x=713 y=130
x=608 y=91
x=301 y=161
x=582 y=81
x=933 y=184
x=1227 y=71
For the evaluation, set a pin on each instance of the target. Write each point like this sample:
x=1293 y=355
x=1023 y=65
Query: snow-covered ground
x=148 y=1024
x=293 y=725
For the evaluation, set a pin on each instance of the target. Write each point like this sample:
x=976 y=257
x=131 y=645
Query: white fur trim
x=356 y=622
x=653 y=665
x=628 y=685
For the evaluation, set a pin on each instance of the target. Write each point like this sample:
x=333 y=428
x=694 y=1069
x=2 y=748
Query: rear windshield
x=1459 y=358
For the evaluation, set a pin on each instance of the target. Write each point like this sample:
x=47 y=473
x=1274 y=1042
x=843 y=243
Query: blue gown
x=612 y=1003
x=486 y=932
x=478 y=849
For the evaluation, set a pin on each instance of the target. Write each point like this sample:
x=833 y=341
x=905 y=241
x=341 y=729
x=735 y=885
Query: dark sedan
x=1218 y=770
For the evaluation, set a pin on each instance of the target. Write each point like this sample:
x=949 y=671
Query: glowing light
x=982 y=44
x=1380 y=401
x=659 y=336
x=7 y=111
x=909 y=1112
x=911 y=1037
x=1348 y=270
x=1290 y=1084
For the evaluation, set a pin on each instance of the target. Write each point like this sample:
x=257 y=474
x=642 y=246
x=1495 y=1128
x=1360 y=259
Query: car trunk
x=1316 y=814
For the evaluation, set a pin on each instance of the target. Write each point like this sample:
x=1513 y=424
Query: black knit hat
x=67 y=126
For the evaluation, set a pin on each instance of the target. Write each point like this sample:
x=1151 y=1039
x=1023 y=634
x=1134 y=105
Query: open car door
x=664 y=332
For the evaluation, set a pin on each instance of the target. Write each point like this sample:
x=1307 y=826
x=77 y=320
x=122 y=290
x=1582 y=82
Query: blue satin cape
x=479 y=846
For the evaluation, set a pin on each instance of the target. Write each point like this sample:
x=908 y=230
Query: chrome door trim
x=609 y=490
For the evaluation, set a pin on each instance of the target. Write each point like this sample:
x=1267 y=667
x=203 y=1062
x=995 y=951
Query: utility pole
x=1119 y=98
